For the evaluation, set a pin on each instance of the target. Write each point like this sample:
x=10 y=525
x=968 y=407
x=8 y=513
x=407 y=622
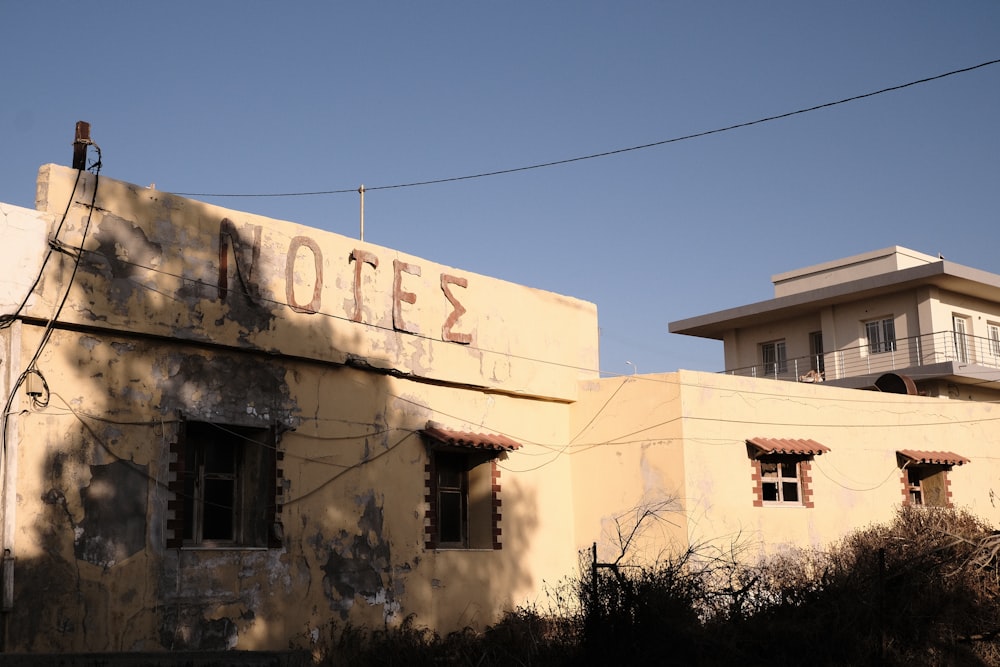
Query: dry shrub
x=922 y=589
x=918 y=590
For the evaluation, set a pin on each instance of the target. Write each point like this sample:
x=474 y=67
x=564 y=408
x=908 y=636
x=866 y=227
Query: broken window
x=925 y=476
x=782 y=470
x=925 y=485
x=227 y=486
x=779 y=480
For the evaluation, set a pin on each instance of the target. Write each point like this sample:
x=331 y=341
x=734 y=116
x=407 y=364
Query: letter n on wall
x=228 y=234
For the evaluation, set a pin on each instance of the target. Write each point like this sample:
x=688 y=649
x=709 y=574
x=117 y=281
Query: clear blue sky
x=254 y=97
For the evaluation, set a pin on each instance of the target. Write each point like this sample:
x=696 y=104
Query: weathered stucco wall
x=169 y=266
x=180 y=312
x=93 y=504
x=329 y=357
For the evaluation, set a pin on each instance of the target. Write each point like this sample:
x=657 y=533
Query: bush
x=915 y=591
x=922 y=589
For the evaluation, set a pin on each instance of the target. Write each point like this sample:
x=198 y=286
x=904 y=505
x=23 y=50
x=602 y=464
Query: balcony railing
x=885 y=358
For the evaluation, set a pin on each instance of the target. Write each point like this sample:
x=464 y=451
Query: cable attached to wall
x=31 y=369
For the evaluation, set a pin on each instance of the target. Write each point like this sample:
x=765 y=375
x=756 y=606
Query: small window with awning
x=782 y=470
x=463 y=486
x=925 y=476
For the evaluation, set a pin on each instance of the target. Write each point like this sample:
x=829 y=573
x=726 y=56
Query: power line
x=593 y=156
x=389 y=329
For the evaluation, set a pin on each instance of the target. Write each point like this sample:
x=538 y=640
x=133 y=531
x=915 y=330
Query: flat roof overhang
x=944 y=275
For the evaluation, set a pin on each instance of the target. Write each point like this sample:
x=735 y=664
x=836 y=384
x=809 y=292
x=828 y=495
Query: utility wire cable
x=617 y=151
x=100 y=256
x=7 y=320
x=374 y=325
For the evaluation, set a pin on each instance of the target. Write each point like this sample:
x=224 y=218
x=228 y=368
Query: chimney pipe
x=80 y=144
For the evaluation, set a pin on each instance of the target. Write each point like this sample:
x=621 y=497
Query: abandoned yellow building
x=226 y=431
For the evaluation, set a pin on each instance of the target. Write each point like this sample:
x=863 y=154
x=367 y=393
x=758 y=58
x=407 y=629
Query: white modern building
x=892 y=319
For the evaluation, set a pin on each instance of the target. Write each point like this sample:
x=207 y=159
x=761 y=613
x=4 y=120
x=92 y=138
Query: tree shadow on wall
x=173 y=320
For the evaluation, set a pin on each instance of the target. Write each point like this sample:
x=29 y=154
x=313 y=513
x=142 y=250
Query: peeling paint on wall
x=124 y=257
x=222 y=388
x=114 y=521
x=194 y=633
x=242 y=328
x=359 y=565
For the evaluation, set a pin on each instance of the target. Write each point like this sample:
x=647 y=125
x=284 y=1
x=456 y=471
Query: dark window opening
x=816 y=360
x=779 y=480
x=228 y=483
x=452 y=499
x=774 y=358
x=463 y=503
x=881 y=335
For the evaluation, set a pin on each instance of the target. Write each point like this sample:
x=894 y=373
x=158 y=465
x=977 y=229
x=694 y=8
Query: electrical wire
x=387 y=329
x=42 y=403
x=31 y=366
x=407 y=433
x=57 y=245
x=345 y=468
x=893 y=472
x=620 y=439
x=8 y=319
x=603 y=154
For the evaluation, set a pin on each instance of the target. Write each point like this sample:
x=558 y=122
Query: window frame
x=480 y=453
x=778 y=363
x=784 y=478
x=202 y=483
x=916 y=467
x=479 y=517
x=993 y=333
x=960 y=325
x=880 y=335
x=798 y=451
x=817 y=359
x=914 y=476
x=197 y=520
x=458 y=466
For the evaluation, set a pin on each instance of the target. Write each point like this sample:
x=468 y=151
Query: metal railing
x=888 y=357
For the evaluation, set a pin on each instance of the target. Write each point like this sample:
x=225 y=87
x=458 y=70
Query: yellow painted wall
x=683 y=436
x=147 y=338
x=856 y=483
x=162 y=256
x=627 y=456
x=350 y=368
